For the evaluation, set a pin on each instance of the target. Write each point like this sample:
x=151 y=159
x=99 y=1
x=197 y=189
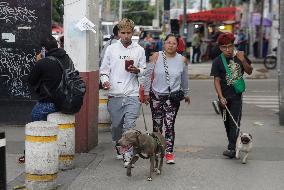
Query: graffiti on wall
x=16 y=14
x=23 y=24
x=14 y=70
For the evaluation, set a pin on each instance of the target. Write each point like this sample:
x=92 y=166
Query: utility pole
x=120 y=9
x=85 y=56
x=107 y=9
x=281 y=72
x=184 y=20
x=251 y=27
x=166 y=22
x=158 y=12
x=260 y=40
x=201 y=5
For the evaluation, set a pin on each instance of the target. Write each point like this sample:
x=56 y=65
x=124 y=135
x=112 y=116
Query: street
x=200 y=141
x=97 y=42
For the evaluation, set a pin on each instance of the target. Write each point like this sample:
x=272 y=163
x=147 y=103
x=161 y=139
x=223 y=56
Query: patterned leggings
x=164 y=111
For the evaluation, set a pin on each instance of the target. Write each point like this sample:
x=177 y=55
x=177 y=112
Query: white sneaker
x=118 y=154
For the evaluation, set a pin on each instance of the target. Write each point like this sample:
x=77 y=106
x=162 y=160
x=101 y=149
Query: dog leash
x=231 y=117
x=144 y=118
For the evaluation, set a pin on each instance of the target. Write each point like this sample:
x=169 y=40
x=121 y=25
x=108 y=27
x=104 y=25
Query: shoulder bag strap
x=166 y=70
x=56 y=60
x=61 y=66
x=228 y=71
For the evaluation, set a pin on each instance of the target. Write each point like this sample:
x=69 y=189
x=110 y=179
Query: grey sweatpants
x=124 y=112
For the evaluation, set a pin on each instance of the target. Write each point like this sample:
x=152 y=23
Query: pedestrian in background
x=113 y=39
x=149 y=46
x=236 y=62
x=61 y=41
x=241 y=41
x=181 y=45
x=196 y=43
x=123 y=62
x=157 y=89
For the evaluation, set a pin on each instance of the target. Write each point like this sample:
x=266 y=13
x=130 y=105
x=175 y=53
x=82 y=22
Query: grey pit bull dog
x=152 y=145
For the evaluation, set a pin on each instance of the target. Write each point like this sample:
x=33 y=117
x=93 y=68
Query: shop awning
x=219 y=14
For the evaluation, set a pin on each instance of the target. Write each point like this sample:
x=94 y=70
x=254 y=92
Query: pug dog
x=244 y=144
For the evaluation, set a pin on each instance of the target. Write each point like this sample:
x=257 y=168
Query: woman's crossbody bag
x=239 y=85
x=175 y=96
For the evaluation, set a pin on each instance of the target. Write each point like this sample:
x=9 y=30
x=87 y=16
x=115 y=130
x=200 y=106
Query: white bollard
x=104 y=117
x=66 y=138
x=41 y=155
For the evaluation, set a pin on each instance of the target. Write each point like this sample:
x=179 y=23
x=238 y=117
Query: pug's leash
x=224 y=116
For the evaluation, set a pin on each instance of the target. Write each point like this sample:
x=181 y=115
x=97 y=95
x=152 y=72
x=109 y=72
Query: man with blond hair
x=123 y=62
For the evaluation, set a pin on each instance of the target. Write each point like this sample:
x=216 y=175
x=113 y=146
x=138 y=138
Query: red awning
x=220 y=14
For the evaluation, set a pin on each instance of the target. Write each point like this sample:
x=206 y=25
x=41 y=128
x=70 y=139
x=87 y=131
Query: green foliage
x=57 y=11
x=216 y=3
x=138 y=11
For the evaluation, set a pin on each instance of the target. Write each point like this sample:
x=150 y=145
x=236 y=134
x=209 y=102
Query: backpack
x=69 y=95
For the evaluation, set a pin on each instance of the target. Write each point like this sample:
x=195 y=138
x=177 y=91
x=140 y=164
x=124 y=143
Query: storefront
x=208 y=22
x=224 y=18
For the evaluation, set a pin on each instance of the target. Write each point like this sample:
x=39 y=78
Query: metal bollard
x=66 y=138
x=2 y=161
x=41 y=155
x=104 y=117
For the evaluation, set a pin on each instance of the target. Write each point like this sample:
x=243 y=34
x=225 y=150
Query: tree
x=57 y=11
x=138 y=11
x=222 y=3
x=280 y=58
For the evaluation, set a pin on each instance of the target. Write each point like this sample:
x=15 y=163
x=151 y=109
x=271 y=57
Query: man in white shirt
x=123 y=62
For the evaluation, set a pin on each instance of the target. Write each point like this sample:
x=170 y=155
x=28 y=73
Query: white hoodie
x=112 y=70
